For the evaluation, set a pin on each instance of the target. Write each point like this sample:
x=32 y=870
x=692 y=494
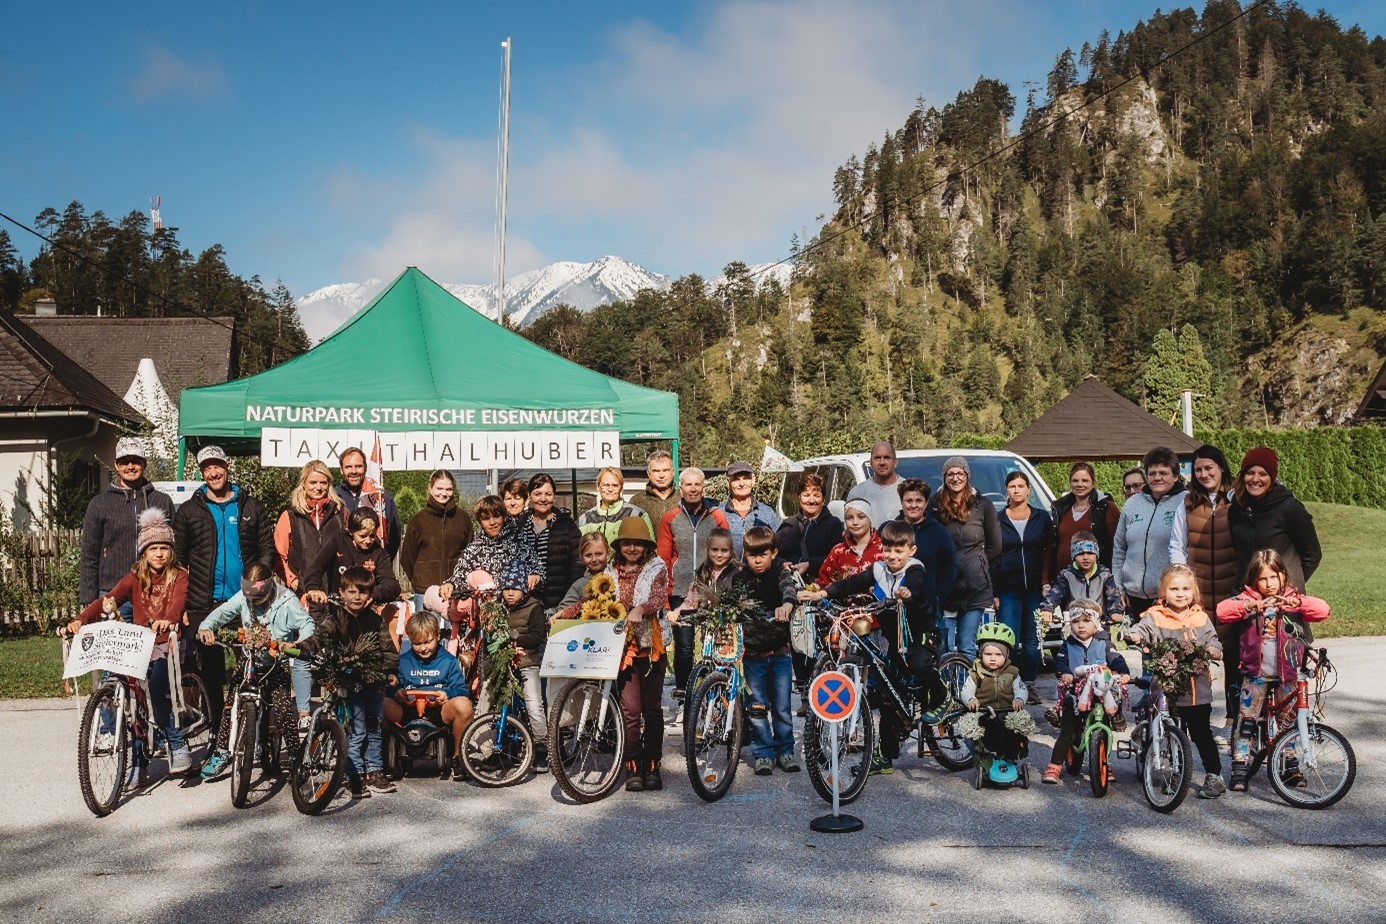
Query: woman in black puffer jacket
x=556 y=538
x=1266 y=515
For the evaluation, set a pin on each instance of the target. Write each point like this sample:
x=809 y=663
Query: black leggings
x=1195 y=720
x=278 y=691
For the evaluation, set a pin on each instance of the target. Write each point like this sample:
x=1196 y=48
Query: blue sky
x=322 y=143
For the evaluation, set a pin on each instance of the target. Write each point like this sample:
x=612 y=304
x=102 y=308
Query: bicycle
x=1096 y=739
x=319 y=765
x=249 y=724
x=1309 y=764
x=845 y=633
x=587 y=739
x=1164 y=755
x=118 y=736
x=713 y=727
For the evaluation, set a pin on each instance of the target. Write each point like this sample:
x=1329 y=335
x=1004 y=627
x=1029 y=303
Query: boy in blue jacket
x=1083 y=651
x=426 y=665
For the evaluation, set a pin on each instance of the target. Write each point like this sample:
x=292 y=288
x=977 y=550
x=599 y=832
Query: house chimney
x=45 y=308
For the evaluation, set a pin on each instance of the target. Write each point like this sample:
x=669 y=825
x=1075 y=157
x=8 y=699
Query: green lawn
x=1352 y=577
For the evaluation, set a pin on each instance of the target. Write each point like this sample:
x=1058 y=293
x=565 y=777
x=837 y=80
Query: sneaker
x=541 y=758
x=1052 y=774
x=882 y=766
x=136 y=778
x=764 y=766
x=936 y=715
x=1237 y=782
x=1212 y=787
x=680 y=694
x=1034 y=699
x=216 y=765
x=379 y=782
x=105 y=742
x=358 y=788
x=304 y=720
x=1118 y=721
x=803 y=710
x=654 y=780
x=787 y=763
x=1051 y=715
x=180 y=762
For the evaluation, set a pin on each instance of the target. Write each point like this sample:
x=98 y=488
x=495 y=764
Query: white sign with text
x=114 y=646
x=465 y=450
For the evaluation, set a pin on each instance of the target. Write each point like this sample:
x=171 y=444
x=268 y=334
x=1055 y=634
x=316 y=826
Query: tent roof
x=416 y=346
x=1096 y=424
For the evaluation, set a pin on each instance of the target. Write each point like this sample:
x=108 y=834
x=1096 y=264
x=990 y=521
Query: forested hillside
x=128 y=269
x=1217 y=221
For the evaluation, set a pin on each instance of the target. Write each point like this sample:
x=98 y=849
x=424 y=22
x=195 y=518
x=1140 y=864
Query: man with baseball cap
x=741 y=507
x=216 y=533
x=111 y=523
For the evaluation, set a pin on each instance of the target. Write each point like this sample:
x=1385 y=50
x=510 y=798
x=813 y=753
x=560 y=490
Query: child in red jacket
x=1272 y=641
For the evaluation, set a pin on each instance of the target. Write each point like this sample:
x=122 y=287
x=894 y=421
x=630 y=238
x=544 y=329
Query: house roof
x=187 y=352
x=37 y=376
x=1096 y=424
x=1373 y=406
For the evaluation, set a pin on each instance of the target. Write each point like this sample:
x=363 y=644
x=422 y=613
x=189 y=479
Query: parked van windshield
x=988 y=476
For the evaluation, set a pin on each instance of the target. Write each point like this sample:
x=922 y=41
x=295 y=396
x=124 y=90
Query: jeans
x=363 y=731
x=163 y=708
x=771 y=681
x=960 y=631
x=534 y=702
x=1017 y=611
x=683 y=649
x=303 y=684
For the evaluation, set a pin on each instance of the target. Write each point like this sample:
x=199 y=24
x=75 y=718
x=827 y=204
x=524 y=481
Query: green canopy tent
x=418 y=359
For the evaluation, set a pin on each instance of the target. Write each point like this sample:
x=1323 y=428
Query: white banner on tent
x=466 y=450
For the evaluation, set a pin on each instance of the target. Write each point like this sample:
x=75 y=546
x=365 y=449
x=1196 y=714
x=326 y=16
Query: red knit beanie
x=1265 y=457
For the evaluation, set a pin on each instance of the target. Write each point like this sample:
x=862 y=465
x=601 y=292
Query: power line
x=118 y=276
x=1019 y=139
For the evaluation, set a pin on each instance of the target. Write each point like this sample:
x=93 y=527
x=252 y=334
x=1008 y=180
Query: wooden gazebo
x=1096 y=424
x=1373 y=406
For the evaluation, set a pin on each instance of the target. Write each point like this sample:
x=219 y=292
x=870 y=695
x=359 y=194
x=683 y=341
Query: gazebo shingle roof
x=1096 y=424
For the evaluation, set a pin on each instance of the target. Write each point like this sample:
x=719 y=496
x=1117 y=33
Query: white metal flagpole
x=502 y=186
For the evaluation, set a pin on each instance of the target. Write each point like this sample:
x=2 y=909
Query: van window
x=988 y=476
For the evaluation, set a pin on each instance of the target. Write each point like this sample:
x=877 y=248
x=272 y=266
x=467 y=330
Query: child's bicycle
x=317 y=770
x=1310 y=765
x=497 y=747
x=587 y=739
x=1164 y=756
x=1096 y=740
x=714 y=708
x=251 y=721
x=118 y=735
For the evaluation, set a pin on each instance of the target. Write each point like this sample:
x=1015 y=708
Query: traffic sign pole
x=833 y=698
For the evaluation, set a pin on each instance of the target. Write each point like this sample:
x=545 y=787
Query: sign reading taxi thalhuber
x=490 y=446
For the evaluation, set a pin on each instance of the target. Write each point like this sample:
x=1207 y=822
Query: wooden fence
x=31 y=563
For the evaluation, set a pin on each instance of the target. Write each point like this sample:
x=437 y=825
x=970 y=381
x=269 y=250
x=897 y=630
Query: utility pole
x=503 y=179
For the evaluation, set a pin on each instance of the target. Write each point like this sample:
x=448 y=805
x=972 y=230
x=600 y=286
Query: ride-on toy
x=990 y=768
x=423 y=740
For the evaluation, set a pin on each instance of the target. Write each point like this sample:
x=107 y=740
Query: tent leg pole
x=182 y=454
x=674 y=451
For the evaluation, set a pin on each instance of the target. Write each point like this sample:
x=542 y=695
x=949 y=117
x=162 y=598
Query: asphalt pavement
x=932 y=847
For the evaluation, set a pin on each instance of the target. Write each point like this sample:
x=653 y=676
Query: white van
x=844 y=472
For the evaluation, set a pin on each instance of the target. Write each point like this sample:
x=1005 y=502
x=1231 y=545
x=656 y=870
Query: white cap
x=210 y=454
x=131 y=447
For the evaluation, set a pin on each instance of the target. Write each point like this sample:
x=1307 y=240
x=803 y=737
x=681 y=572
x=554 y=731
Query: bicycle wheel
x=856 y=745
x=497 y=755
x=1167 y=768
x=193 y=716
x=700 y=670
x=243 y=749
x=102 y=757
x=712 y=737
x=316 y=771
x=954 y=668
x=1099 y=771
x=952 y=751
x=587 y=740
x=1316 y=776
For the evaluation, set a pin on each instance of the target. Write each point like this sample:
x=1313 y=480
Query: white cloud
x=687 y=151
x=167 y=76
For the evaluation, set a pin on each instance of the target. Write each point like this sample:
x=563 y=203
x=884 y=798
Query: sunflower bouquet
x=599 y=599
x=1174 y=662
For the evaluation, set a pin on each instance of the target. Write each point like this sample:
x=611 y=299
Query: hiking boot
x=882 y=766
x=787 y=763
x=654 y=780
x=358 y=788
x=1051 y=715
x=541 y=758
x=1052 y=774
x=1237 y=782
x=179 y=762
x=1212 y=787
x=215 y=765
x=803 y=710
x=379 y=782
x=1034 y=698
x=635 y=780
x=764 y=766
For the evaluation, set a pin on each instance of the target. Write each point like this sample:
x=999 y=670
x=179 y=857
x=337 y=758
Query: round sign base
x=836 y=824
